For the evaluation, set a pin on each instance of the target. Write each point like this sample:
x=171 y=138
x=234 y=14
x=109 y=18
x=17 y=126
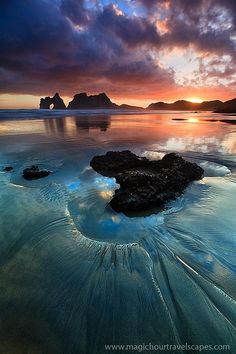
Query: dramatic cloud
x=125 y=48
x=75 y=11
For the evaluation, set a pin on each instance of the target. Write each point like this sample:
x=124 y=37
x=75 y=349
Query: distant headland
x=182 y=105
x=102 y=101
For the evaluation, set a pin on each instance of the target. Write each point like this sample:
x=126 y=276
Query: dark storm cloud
x=73 y=45
x=203 y=23
x=41 y=47
x=75 y=10
x=131 y=30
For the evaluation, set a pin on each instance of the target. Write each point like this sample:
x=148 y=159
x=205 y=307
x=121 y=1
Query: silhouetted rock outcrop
x=209 y=105
x=56 y=101
x=227 y=107
x=183 y=105
x=34 y=172
x=83 y=101
x=144 y=184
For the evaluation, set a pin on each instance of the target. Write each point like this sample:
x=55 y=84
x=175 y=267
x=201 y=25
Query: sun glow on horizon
x=195 y=99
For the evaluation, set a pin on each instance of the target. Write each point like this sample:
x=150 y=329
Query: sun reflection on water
x=193 y=120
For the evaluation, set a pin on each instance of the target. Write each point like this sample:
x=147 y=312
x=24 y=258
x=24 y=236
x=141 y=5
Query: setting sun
x=194 y=99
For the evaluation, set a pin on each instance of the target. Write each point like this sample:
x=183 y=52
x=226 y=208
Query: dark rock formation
x=83 y=101
x=116 y=161
x=227 y=107
x=7 y=169
x=145 y=185
x=183 y=105
x=56 y=101
x=34 y=172
x=209 y=105
x=45 y=103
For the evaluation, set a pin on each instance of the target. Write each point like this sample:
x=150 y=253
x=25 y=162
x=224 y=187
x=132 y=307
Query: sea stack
x=56 y=101
x=83 y=101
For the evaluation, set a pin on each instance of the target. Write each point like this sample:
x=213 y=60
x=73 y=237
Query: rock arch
x=56 y=101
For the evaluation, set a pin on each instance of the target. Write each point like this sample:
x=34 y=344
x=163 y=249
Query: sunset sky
x=137 y=51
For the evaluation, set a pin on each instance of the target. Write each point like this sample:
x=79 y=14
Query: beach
x=75 y=275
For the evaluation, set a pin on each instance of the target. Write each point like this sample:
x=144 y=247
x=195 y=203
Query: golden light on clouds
x=162 y=27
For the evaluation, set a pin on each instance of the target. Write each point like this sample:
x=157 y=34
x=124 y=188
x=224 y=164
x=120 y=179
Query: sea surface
x=76 y=276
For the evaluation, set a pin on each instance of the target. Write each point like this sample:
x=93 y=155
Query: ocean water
x=76 y=276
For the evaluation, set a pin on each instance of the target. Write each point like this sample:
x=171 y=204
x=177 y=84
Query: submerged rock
x=144 y=184
x=7 y=169
x=34 y=172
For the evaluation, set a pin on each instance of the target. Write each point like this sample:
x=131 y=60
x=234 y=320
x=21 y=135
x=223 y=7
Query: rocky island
x=84 y=101
x=145 y=184
x=56 y=101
